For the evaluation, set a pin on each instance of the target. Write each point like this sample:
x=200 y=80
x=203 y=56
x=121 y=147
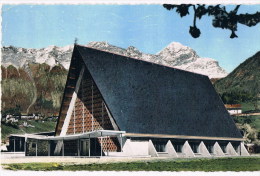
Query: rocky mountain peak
x=95 y=44
x=174 y=55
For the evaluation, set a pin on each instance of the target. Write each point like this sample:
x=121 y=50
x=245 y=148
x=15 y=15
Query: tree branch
x=195 y=16
x=236 y=9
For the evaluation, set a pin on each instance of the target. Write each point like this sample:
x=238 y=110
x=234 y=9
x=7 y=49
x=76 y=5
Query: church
x=114 y=105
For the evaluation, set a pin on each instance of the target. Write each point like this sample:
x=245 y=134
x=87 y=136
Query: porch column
x=107 y=142
x=78 y=145
x=36 y=149
x=121 y=138
x=14 y=144
x=49 y=148
x=101 y=141
x=20 y=144
x=62 y=147
x=89 y=145
x=25 y=140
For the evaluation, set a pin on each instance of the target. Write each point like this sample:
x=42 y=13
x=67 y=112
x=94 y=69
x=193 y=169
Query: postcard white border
x=119 y=2
x=76 y=2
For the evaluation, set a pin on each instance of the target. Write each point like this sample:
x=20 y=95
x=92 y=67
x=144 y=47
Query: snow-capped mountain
x=51 y=55
x=174 y=55
x=185 y=58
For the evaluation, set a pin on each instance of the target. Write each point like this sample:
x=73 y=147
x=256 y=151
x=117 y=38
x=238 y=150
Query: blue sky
x=150 y=28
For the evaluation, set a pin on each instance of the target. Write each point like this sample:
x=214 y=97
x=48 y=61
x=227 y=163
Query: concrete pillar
x=151 y=149
x=243 y=150
x=36 y=150
x=49 y=148
x=89 y=145
x=186 y=149
x=121 y=142
x=58 y=148
x=170 y=150
x=203 y=150
x=80 y=149
x=101 y=145
x=20 y=144
x=230 y=150
x=107 y=142
x=127 y=150
x=78 y=146
x=62 y=147
x=25 y=140
x=217 y=151
x=14 y=144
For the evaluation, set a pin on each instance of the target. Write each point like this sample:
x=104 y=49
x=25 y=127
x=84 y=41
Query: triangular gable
x=83 y=108
x=148 y=98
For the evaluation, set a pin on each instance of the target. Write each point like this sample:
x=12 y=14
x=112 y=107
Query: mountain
x=33 y=79
x=36 y=88
x=174 y=55
x=245 y=78
x=52 y=55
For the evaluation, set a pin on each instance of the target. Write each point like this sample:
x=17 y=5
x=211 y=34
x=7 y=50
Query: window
x=236 y=146
x=209 y=147
x=178 y=147
x=195 y=147
x=33 y=145
x=224 y=148
x=159 y=146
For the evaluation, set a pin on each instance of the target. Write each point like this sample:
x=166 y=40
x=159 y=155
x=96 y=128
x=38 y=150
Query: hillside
x=37 y=88
x=242 y=86
x=18 y=128
x=246 y=77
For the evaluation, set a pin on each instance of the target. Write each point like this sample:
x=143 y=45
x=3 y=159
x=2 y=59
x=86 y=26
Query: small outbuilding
x=234 y=109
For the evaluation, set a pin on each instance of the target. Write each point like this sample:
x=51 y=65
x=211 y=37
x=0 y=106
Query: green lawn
x=39 y=126
x=256 y=122
x=247 y=106
x=219 y=164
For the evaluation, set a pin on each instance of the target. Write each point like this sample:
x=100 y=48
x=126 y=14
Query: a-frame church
x=115 y=105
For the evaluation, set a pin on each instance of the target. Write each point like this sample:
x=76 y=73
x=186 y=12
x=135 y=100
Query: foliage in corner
x=221 y=17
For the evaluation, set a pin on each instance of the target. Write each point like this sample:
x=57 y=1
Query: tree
x=221 y=17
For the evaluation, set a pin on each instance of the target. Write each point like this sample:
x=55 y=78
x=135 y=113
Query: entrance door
x=84 y=145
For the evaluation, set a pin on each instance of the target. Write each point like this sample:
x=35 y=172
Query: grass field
x=248 y=106
x=256 y=122
x=39 y=126
x=219 y=164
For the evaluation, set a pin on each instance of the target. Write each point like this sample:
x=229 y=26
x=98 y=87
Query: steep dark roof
x=148 y=98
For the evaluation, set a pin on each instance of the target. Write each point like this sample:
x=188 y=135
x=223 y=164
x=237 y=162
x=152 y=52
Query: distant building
x=234 y=108
x=31 y=117
x=115 y=105
x=11 y=118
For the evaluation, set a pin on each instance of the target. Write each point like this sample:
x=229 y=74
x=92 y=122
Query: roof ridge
x=140 y=59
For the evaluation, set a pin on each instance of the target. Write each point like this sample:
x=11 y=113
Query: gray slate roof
x=148 y=98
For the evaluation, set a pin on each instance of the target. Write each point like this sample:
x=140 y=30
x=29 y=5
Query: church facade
x=115 y=105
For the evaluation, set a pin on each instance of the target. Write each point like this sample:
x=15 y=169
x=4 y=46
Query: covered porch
x=89 y=144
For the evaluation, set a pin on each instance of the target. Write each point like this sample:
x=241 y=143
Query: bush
x=12 y=124
x=236 y=97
